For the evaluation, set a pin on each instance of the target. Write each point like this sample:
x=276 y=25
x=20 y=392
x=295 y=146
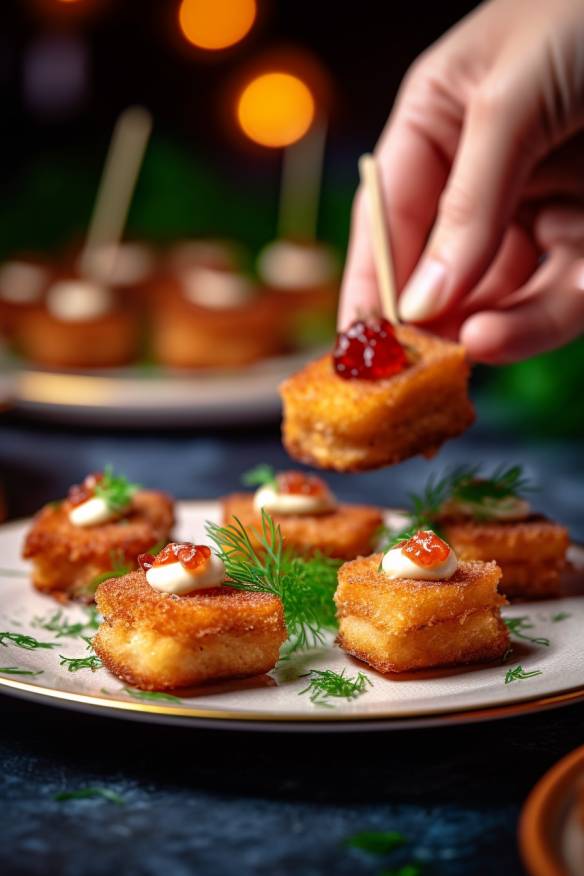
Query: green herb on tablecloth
x=59 y=624
x=519 y=674
x=16 y=670
x=324 y=684
x=560 y=616
x=90 y=794
x=376 y=842
x=517 y=627
x=150 y=696
x=75 y=664
x=29 y=643
x=13 y=573
x=305 y=585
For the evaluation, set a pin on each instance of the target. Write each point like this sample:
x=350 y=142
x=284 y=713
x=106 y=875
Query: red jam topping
x=298 y=483
x=80 y=493
x=425 y=549
x=368 y=350
x=190 y=556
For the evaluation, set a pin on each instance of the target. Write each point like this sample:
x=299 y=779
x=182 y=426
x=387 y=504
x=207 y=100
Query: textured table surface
x=215 y=802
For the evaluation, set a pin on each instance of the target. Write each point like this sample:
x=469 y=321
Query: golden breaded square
x=398 y=625
x=67 y=558
x=531 y=553
x=159 y=641
x=346 y=532
x=353 y=425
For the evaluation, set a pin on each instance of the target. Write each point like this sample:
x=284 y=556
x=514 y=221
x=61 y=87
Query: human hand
x=477 y=160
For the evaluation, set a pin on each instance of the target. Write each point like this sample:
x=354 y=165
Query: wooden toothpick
x=118 y=181
x=369 y=172
x=300 y=189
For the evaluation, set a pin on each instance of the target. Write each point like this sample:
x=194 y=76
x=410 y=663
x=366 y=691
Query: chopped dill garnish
x=116 y=490
x=90 y=794
x=150 y=695
x=407 y=870
x=560 y=616
x=261 y=475
x=375 y=842
x=305 y=585
x=74 y=664
x=519 y=673
x=157 y=547
x=29 y=643
x=517 y=627
x=57 y=623
x=16 y=670
x=326 y=683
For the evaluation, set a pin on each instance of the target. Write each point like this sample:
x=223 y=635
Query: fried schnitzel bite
x=68 y=560
x=159 y=641
x=397 y=625
x=359 y=424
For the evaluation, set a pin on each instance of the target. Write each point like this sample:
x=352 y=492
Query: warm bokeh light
x=216 y=24
x=276 y=109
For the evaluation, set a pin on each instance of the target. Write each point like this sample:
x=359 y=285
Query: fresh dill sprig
x=261 y=475
x=466 y=485
x=376 y=842
x=29 y=643
x=305 y=585
x=57 y=623
x=517 y=627
x=560 y=616
x=324 y=684
x=411 y=869
x=16 y=670
x=519 y=673
x=74 y=664
x=90 y=794
x=116 y=490
x=150 y=695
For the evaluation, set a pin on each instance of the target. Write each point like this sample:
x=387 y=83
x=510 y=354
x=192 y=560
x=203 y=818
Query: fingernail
x=424 y=294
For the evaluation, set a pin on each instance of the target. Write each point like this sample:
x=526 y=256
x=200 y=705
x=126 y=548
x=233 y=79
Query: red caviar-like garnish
x=425 y=549
x=80 y=493
x=298 y=483
x=190 y=556
x=368 y=350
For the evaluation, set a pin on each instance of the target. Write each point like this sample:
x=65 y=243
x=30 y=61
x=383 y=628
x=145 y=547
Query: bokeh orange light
x=276 y=109
x=216 y=24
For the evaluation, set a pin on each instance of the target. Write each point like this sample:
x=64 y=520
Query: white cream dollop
x=396 y=564
x=217 y=289
x=79 y=300
x=22 y=282
x=274 y=502
x=510 y=508
x=92 y=512
x=174 y=578
x=284 y=264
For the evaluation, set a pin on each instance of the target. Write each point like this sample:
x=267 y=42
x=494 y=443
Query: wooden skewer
x=116 y=188
x=302 y=166
x=369 y=172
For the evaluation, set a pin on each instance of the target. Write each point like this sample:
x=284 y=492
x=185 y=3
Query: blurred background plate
x=552 y=823
x=161 y=398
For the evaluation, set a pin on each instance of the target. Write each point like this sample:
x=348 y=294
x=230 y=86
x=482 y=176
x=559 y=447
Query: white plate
x=164 y=399
x=421 y=699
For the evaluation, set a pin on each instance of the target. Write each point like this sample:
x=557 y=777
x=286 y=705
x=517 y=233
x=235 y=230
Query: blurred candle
x=276 y=109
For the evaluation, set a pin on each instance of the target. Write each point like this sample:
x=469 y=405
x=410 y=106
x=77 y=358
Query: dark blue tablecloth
x=217 y=802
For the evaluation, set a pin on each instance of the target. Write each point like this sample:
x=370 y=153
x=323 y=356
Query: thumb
x=497 y=151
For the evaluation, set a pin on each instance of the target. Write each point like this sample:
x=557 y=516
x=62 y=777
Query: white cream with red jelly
x=397 y=564
x=274 y=500
x=285 y=264
x=78 y=300
x=22 y=282
x=510 y=508
x=175 y=578
x=92 y=512
x=216 y=289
